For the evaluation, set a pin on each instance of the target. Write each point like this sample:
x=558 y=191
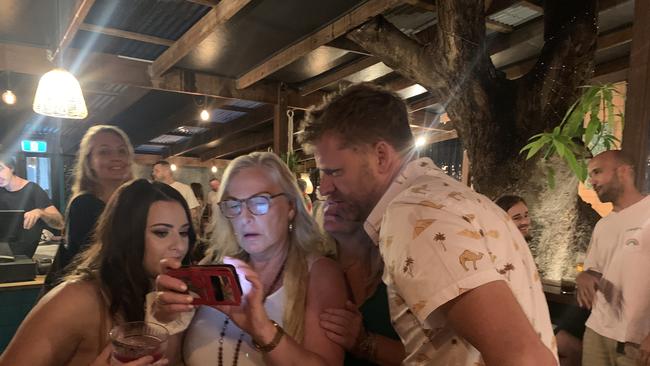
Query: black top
x=82 y=216
x=31 y=196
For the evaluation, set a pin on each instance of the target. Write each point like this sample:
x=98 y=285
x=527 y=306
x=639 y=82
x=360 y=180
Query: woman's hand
x=104 y=359
x=171 y=296
x=343 y=326
x=250 y=316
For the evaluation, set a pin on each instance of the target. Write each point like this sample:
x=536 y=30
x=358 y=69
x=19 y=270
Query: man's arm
x=587 y=285
x=491 y=319
x=50 y=215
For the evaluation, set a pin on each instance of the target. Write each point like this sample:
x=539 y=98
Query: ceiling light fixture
x=205 y=115
x=9 y=97
x=58 y=93
x=214 y=169
x=173 y=167
x=420 y=141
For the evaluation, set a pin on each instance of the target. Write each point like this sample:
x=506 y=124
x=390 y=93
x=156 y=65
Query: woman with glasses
x=272 y=240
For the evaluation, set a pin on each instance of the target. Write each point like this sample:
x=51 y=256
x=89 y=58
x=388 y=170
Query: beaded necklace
x=241 y=335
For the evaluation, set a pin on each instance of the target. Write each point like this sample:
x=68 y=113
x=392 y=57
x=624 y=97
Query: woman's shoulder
x=82 y=295
x=84 y=201
x=85 y=197
x=320 y=263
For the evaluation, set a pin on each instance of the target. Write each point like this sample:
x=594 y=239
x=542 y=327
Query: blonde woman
x=104 y=162
x=274 y=243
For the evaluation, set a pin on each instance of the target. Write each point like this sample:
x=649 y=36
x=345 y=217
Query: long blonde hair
x=304 y=239
x=85 y=179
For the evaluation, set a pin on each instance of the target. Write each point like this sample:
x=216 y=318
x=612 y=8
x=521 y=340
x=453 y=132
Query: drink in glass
x=138 y=339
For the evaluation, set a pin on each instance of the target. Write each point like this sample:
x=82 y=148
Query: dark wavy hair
x=115 y=259
x=507 y=201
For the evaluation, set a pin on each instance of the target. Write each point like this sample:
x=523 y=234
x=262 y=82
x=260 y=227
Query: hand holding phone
x=214 y=284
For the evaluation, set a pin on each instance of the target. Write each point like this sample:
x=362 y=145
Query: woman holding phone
x=142 y=224
x=275 y=245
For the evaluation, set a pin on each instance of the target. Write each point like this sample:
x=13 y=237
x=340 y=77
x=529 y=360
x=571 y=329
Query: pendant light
x=59 y=94
x=8 y=96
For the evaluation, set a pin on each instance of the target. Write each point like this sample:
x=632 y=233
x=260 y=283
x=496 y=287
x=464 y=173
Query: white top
x=440 y=239
x=187 y=193
x=617 y=245
x=201 y=343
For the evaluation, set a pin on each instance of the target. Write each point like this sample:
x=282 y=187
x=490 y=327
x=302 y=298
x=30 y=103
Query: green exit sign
x=34 y=146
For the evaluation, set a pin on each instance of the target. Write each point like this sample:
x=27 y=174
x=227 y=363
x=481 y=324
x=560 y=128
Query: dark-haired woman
x=142 y=224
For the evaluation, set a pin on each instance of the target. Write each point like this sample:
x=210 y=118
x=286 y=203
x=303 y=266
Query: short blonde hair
x=305 y=238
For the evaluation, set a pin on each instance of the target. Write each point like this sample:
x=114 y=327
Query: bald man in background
x=606 y=284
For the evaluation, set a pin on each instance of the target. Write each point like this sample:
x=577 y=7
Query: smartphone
x=216 y=284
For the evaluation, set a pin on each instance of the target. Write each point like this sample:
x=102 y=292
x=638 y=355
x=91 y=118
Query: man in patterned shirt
x=462 y=285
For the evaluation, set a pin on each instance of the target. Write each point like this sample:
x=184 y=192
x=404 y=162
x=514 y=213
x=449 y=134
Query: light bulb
x=205 y=115
x=9 y=97
x=173 y=167
x=420 y=141
x=214 y=169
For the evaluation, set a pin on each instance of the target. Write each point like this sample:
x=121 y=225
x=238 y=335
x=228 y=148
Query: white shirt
x=187 y=193
x=438 y=239
x=617 y=245
x=201 y=342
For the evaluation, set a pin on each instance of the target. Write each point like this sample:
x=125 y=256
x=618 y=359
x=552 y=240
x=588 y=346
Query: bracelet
x=266 y=348
x=367 y=346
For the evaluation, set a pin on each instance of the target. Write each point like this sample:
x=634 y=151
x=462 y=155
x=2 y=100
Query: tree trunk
x=495 y=116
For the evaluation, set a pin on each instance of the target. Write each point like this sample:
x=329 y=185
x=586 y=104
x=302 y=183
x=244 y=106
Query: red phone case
x=214 y=284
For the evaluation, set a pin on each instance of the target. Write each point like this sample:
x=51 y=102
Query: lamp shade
x=59 y=95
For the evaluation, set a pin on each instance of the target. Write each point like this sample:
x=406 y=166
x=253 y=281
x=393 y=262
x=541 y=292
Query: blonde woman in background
x=270 y=237
x=104 y=162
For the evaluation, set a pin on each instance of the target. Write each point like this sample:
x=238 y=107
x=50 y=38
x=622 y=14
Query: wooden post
x=637 y=105
x=281 y=122
x=465 y=174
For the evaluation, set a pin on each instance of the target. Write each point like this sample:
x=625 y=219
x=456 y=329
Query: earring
x=290 y=227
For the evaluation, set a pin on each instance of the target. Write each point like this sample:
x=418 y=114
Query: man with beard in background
x=604 y=286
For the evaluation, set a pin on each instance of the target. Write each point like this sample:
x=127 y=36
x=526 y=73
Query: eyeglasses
x=257 y=205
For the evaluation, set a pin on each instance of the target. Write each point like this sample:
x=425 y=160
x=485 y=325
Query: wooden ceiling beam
x=125 y=34
x=422 y=103
x=345 y=44
x=423 y=4
x=336 y=74
x=615 y=38
x=240 y=145
x=73 y=27
x=105 y=68
x=216 y=17
x=337 y=28
x=498 y=26
x=211 y=3
x=217 y=134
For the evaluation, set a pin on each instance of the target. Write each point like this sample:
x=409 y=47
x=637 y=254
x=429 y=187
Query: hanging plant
x=291 y=160
x=574 y=142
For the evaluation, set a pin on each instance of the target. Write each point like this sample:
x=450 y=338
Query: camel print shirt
x=438 y=239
